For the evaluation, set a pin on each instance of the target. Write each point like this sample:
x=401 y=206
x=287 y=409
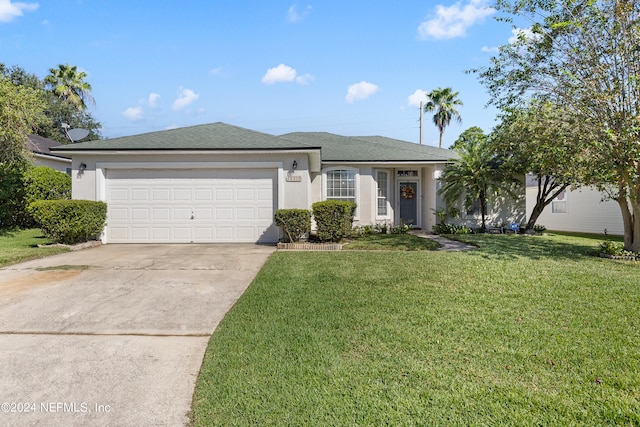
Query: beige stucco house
x=222 y=183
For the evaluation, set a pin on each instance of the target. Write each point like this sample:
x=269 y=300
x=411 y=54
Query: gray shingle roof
x=336 y=148
x=221 y=136
x=214 y=136
x=41 y=145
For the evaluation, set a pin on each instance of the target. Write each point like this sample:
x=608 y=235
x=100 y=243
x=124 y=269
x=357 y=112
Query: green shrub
x=294 y=222
x=334 y=219
x=45 y=183
x=69 y=221
x=612 y=248
x=400 y=229
x=12 y=205
x=368 y=230
x=451 y=229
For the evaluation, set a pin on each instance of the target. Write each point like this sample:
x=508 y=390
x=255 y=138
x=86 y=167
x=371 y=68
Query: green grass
x=395 y=242
x=524 y=331
x=22 y=245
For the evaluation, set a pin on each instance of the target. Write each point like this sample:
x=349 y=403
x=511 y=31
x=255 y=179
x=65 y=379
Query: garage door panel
x=203 y=214
x=246 y=213
x=224 y=234
x=223 y=214
x=119 y=233
x=182 y=214
x=264 y=214
x=140 y=194
x=140 y=214
x=119 y=214
x=160 y=214
x=224 y=195
x=139 y=233
x=245 y=233
x=204 y=195
x=245 y=194
x=161 y=194
x=184 y=194
x=118 y=194
x=180 y=234
x=265 y=194
x=191 y=205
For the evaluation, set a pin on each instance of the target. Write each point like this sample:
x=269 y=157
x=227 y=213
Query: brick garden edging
x=310 y=246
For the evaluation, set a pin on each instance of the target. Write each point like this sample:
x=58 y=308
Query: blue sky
x=346 y=67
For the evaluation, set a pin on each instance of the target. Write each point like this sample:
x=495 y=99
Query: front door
x=408 y=191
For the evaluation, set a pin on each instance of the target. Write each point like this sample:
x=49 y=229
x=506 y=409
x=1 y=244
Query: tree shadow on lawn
x=7 y=232
x=492 y=246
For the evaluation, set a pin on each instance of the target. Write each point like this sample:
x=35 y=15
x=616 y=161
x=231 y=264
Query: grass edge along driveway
x=22 y=245
x=523 y=331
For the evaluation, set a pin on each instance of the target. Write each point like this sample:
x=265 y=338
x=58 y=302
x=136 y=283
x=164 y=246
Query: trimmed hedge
x=69 y=221
x=12 y=191
x=294 y=222
x=334 y=219
x=45 y=183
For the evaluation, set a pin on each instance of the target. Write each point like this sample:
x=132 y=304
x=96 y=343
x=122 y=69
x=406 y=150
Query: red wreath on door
x=407 y=192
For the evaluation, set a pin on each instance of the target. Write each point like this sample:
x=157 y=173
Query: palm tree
x=68 y=84
x=475 y=175
x=444 y=102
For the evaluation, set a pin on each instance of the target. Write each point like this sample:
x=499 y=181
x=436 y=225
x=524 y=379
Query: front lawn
x=394 y=242
x=522 y=331
x=22 y=245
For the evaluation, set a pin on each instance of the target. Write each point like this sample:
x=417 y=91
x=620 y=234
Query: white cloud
x=280 y=74
x=133 y=113
x=9 y=10
x=186 y=97
x=416 y=97
x=153 y=99
x=490 y=49
x=304 y=80
x=171 y=127
x=453 y=21
x=285 y=74
x=362 y=90
x=293 y=15
x=216 y=71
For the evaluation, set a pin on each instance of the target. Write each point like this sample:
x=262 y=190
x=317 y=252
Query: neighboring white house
x=222 y=183
x=42 y=156
x=580 y=210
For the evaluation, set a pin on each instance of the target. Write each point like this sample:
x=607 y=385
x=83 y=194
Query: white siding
x=586 y=212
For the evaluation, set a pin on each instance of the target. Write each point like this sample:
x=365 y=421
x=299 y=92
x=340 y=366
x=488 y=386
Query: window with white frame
x=559 y=204
x=341 y=184
x=382 y=197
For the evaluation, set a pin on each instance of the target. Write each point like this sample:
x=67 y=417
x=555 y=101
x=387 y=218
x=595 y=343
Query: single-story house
x=222 y=183
x=583 y=210
x=40 y=148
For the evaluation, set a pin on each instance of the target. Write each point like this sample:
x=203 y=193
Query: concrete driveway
x=114 y=335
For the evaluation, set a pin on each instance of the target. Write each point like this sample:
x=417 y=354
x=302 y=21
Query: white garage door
x=194 y=205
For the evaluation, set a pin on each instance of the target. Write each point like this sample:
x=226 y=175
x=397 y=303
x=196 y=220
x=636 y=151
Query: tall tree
x=475 y=175
x=70 y=86
x=21 y=110
x=444 y=102
x=583 y=55
x=57 y=111
x=541 y=140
